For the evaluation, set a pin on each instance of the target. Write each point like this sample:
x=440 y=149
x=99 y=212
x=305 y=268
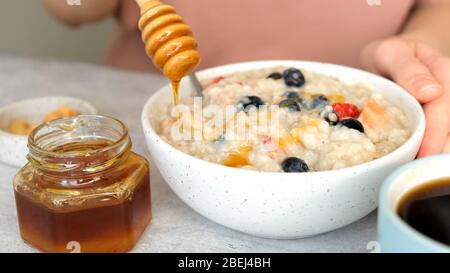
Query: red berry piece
x=346 y=110
x=217 y=80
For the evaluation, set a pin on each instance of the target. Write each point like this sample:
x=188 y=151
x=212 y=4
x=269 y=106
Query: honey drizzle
x=175 y=92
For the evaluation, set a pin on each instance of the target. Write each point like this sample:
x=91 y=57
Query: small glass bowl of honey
x=83 y=187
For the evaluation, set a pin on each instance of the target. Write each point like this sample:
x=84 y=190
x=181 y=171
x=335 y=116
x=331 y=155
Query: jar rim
x=34 y=148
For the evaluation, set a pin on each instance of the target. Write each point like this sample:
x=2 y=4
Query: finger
x=129 y=14
x=447 y=145
x=436 y=131
x=396 y=59
x=367 y=56
x=436 y=63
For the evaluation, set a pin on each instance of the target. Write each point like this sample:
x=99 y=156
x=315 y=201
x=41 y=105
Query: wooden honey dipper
x=168 y=41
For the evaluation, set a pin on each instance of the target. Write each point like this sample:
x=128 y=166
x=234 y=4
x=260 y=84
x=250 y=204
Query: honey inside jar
x=83 y=186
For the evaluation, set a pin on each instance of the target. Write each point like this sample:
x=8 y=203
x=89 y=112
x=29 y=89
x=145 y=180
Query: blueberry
x=352 y=124
x=290 y=104
x=331 y=117
x=293 y=77
x=248 y=102
x=220 y=139
x=291 y=95
x=320 y=101
x=303 y=102
x=294 y=165
x=275 y=76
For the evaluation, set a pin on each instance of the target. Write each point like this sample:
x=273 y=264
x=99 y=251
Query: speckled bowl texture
x=14 y=147
x=281 y=205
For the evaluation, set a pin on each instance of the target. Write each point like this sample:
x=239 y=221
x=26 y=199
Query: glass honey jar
x=83 y=188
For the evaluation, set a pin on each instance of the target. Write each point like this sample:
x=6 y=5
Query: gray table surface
x=175 y=227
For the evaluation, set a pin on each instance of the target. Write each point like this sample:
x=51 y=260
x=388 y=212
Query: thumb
x=396 y=59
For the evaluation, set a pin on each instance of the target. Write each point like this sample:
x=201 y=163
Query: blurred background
x=35 y=33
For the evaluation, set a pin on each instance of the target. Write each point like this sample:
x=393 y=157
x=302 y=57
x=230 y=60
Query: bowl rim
x=18 y=104
x=415 y=135
x=386 y=210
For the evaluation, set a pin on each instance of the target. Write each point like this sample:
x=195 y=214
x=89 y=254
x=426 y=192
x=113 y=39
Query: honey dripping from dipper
x=168 y=41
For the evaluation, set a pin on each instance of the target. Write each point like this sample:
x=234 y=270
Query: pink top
x=321 y=30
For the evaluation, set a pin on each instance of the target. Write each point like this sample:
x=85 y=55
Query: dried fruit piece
x=20 y=127
x=346 y=110
x=286 y=140
x=336 y=98
x=217 y=80
x=61 y=112
x=373 y=115
x=238 y=158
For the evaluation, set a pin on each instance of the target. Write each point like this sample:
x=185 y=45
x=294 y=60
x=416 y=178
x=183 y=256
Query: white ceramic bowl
x=281 y=205
x=14 y=147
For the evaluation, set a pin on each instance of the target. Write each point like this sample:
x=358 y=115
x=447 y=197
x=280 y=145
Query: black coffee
x=427 y=209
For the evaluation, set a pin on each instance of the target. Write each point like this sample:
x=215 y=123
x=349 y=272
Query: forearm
x=88 y=11
x=430 y=24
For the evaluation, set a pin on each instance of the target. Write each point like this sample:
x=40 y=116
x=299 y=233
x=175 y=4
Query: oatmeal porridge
x=292 y=121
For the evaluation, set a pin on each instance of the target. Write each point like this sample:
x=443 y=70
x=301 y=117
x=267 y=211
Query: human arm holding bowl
x=418 y=59
x=415 y=58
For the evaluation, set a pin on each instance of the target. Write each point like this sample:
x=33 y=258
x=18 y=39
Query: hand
x=425 y=73
x=129 y=14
